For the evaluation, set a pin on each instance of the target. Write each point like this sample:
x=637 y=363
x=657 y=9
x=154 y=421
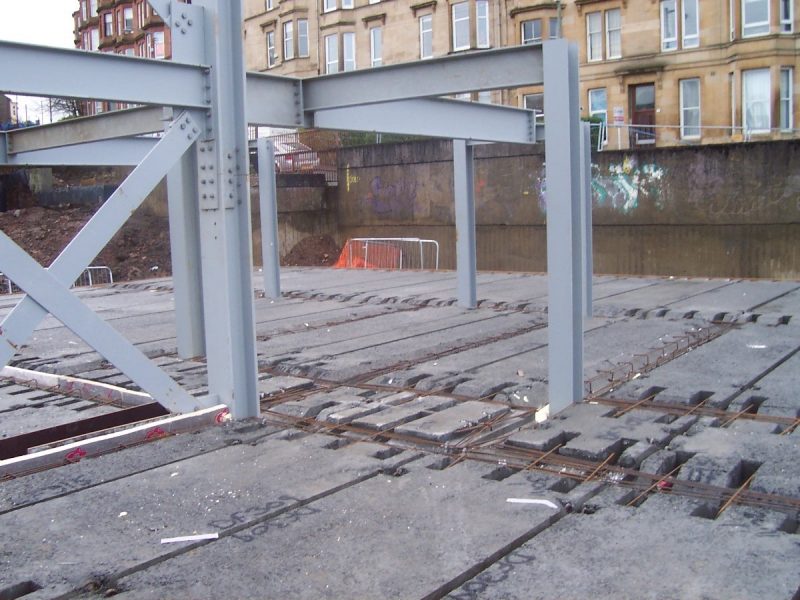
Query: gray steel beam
x=275 y=100
x=487 y=70
x=103 y=153
x=464 y=188
x=586 y=217
x=564 y=260
x=50 y=295
x=162 y=9
x=100 y=75
x=268 y=198
x=225 y=227
x=115 y=124
x=452 y=119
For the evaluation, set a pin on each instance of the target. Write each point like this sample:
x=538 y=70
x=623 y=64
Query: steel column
x=564 y=260
x=184 y=240
x=226 y=247
x=586 y=217
x=268 y=198
x=464 y=188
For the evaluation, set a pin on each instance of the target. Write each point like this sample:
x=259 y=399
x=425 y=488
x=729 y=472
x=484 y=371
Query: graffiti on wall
x=395 y=200
x=621 y=188
x=624 y=185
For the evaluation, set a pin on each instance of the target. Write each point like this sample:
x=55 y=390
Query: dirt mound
x=139 y=250
x=313 y=251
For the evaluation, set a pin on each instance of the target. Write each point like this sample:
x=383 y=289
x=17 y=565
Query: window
x=332 y=53
x=554 y=28
x=690 y=108
x=94 y=36
x=376 y=46
x=328 y=5
x=691 y=24
x=302 y=37
x=85 y=10
x=534 y=102
x=594 y=36
x=349 y=48
x=482 y=10
x=461 y=26
x=755 y=101
x=140 y=13
x=485 y=97
x=613 y=33
x=269 y=4
x=532 y=31
x=787 y=16
x=347 y=3
x=755 y=17
x=786 y=99
x=669 y=25
x=92 y=8
x=426 y=36
x=272 y=57
x=288 y=40
x=108 y=25
x=159 y=50
x=598 y=107
x=128 y=16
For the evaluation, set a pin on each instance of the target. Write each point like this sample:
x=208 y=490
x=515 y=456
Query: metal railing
x=91 y=276
x=390 y=253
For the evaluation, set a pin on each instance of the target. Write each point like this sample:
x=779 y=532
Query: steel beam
x=268 y=197
x=275 y=100
x=487 y=70
x=464 y=188
x=111 y=125
x=564 y=261
x=586 y=217
x=19 y=324
x=50 y=295
x=100 y=75
x=162 y=8
x=452 y=119
x=103 y=153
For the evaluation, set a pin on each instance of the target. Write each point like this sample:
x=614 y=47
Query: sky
x=43 y=22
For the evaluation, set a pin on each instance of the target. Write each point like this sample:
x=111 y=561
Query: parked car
x=294 y=157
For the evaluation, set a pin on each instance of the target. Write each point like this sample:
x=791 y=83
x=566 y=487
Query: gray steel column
x=268 y=199
x=586 y=216
x=564 y=259
x=226 y=247
x=464 y=188
x=184 y=240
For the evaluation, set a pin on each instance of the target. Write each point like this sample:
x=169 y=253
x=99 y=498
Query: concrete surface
x=424 y=414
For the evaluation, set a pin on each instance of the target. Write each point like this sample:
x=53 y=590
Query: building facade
x=662 y=72
x=129 y=27
x=8 y=111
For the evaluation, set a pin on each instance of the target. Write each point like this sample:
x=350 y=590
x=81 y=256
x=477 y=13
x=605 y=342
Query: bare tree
x=67 y=108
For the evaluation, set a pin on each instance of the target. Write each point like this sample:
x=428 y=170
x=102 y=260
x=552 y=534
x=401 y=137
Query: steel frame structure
x=202 y=102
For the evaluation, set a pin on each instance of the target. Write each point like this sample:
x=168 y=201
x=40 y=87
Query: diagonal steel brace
x=53 y=297
x=17 y=327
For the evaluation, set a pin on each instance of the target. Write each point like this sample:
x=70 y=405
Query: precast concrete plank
x=447 y=424
x=740 y=296
x=398 y=415
x=658 y=293
x=778 y=390
x=648 y=553
x=788 y=304
x=64 y=542
x=28 y=419
x=719 y=369
x=389 y=537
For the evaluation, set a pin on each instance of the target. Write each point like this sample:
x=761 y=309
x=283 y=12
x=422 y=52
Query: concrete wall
x=724 y=211
x=306 y=207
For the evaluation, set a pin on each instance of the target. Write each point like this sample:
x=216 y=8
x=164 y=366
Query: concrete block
x=588 y=447
x=446 y=424
x=398 y=415
x=632 y=457
x=306 y=408
x=542 y=439
x=282 y=384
